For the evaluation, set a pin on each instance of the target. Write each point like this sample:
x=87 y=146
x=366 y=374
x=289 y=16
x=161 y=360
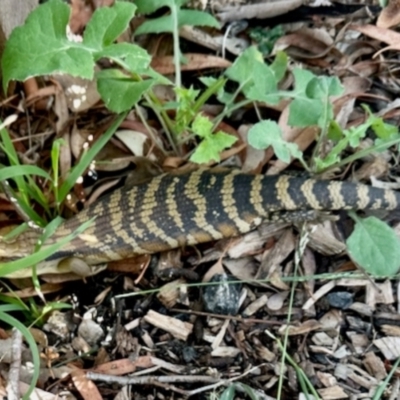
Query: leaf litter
x=149 y=333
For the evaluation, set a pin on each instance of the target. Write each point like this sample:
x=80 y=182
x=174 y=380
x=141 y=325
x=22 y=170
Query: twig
x=232 y=317
x=149 y=380
x=227 y=382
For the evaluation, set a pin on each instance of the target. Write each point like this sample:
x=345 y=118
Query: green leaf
x=41 y=47
x=381 y=129
x=279 y=65
x=134 y=58
x=335 y=87
x=119 y=92
x=207 y=80
x=321 y=87
x=264 y=85
x=197 y=18
x=22 y=170
x=316 y=97
x=156 y=25
x=210 y=148
x=326 y=162
x=335 y=132
x=333 y=156
x=49 y=230
x=302 y=77
x=384 y=130
x=185 y=17
x=249 y=390
x=107 y=24
x=149 y=6
x=228 y=393
x=304 y=112
x=202 y=126
x=55 y=160
x=355 y=134
x=185 y=111
x=375 y=246
x=14 y=306
x=267 y=133
x=258 y=81
x=241 y=70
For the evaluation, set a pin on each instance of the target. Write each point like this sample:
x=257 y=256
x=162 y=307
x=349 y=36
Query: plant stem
x=383 y=145
x=163 y=118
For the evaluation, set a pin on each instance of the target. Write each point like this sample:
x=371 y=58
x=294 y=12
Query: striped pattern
x=172 y=211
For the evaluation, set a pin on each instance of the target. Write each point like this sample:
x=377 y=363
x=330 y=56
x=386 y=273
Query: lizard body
x=171 y=211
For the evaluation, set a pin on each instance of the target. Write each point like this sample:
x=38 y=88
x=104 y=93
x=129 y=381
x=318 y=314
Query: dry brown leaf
x=390 y=15
x=135 y=141
x=383 y=35
x=307 y=42
x=242 y=268
x=86 y=388
x=38 y=394
x=165 y=64
x=81 y=94
x=285 y=245
x=134 y=265
x=258 y=10
x=80 y=15
x=78 y=139
x=216 y=269
x=116 y=368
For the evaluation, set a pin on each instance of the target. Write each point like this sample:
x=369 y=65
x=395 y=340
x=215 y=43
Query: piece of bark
x=332 y=393
x=305 y=327
x=256 y=305
x=179 y=329
x=375 y=366
x=389 y=346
